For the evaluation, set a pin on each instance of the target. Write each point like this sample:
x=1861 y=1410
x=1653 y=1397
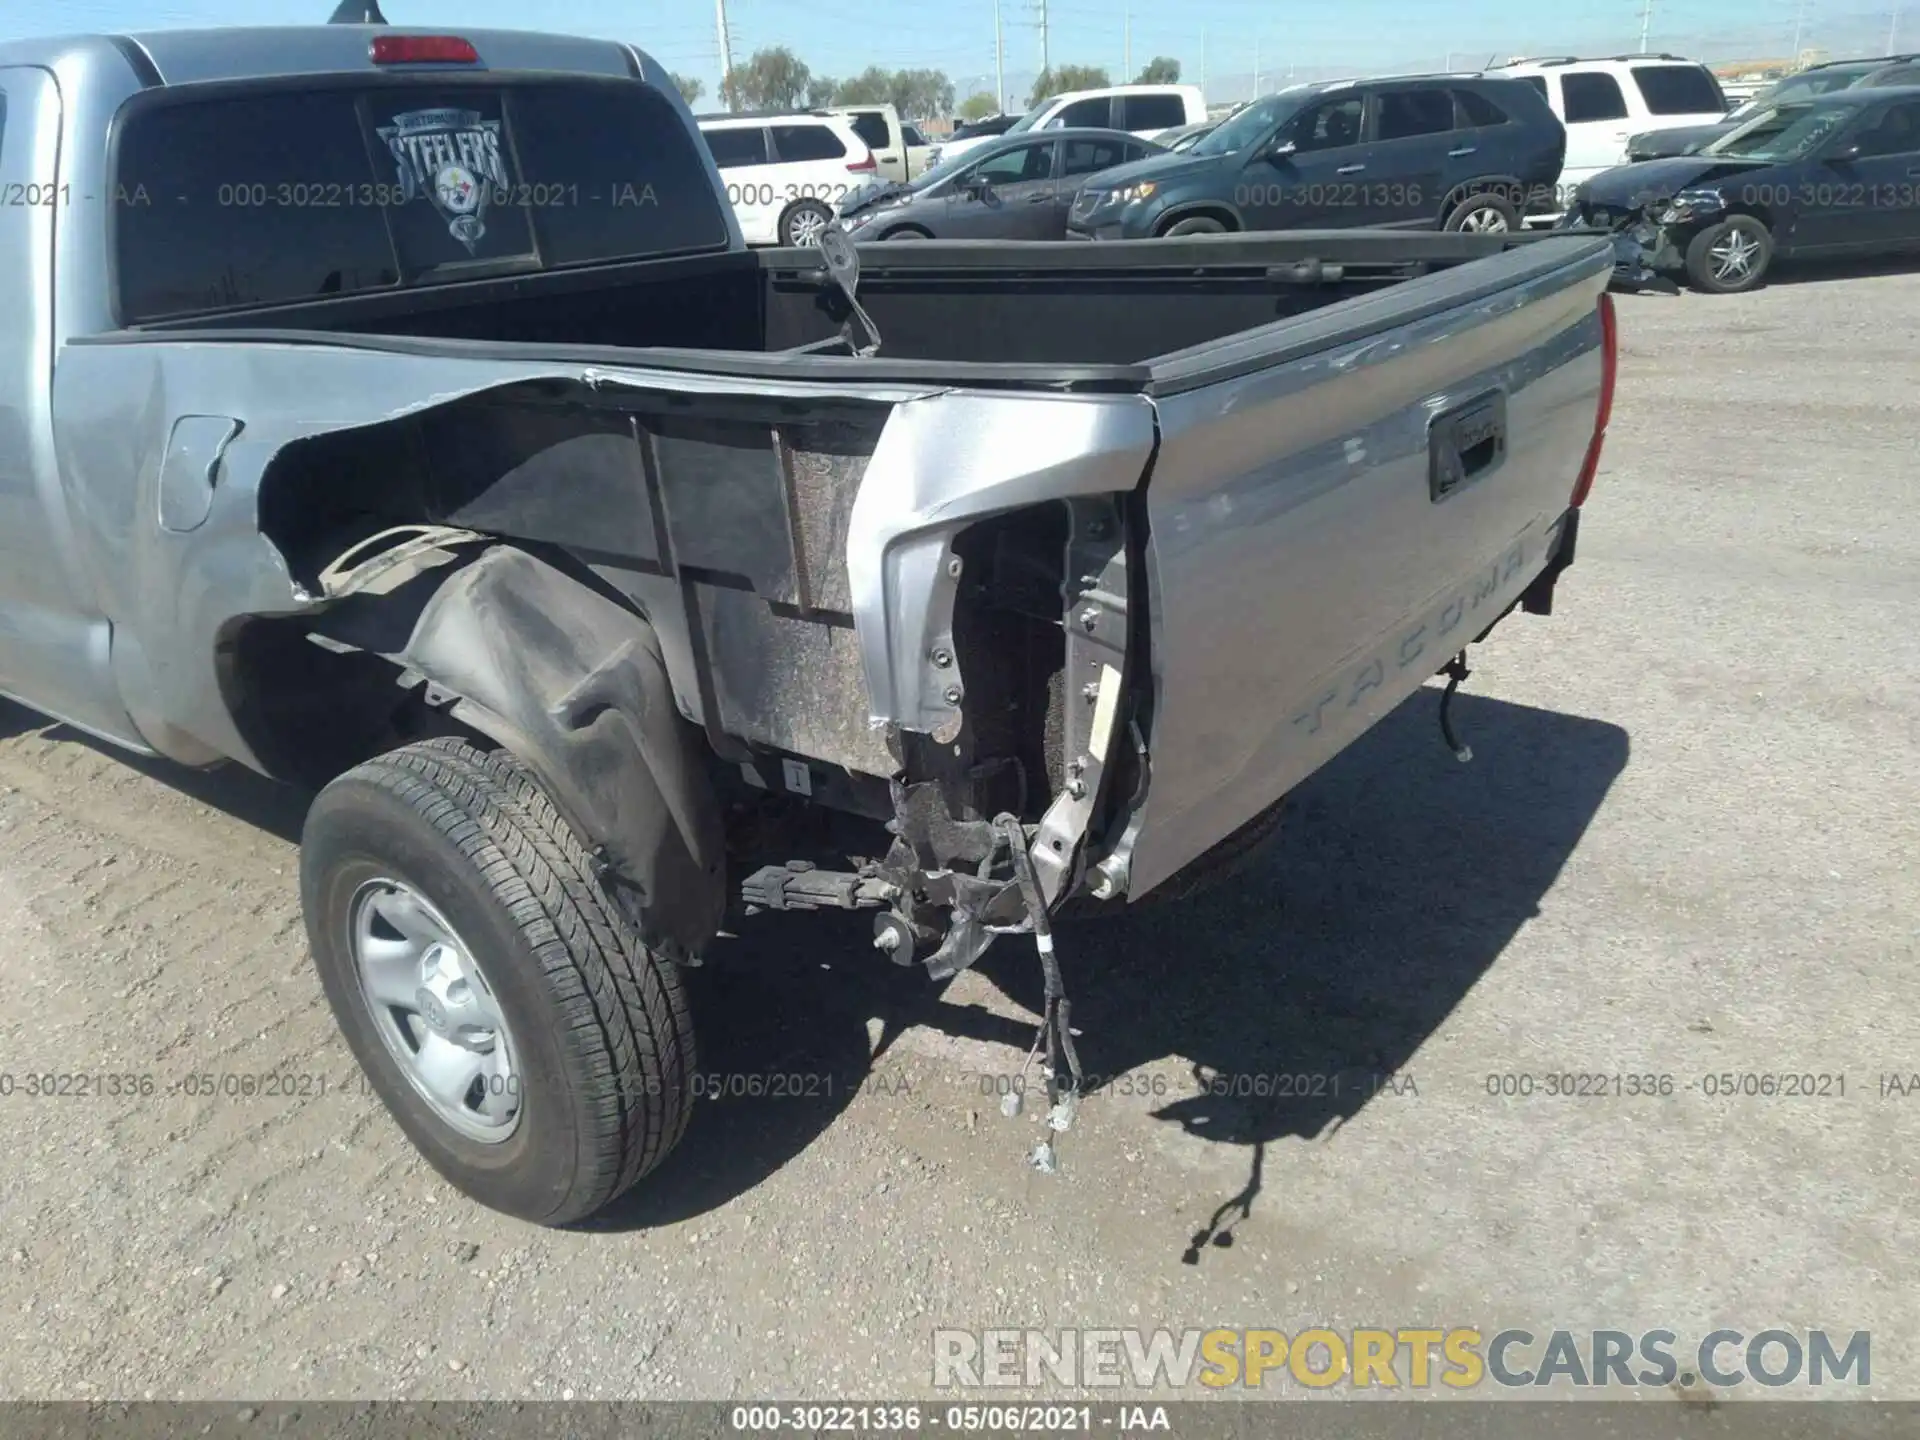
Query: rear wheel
x=803 y=222
x=906 y=232
x=1195 y=225
x=1483 y=214
x=529 y=1045
x=1729 y=257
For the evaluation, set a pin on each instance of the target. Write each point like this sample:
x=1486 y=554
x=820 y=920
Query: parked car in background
x=986 y=129
x=900 y=152
x=1015 y=187
x=1186 y=136
x=1455 y=152
x=785 y=173
x=1887 y=70
x=1604 y=102
x=1143 y=110
x=1835 y=174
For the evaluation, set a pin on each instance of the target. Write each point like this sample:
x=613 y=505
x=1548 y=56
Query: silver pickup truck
x=399 y=415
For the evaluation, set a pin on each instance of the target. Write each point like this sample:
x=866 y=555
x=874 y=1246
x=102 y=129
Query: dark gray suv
x=1018 y=187
x=1460 y=152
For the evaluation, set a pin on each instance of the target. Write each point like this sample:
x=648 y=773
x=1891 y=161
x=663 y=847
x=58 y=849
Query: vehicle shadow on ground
x=270 y=805
x=18 y=720
x=1395 y=883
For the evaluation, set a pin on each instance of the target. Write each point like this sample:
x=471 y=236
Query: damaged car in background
x=610 y=584
x=1836 y=175
x=1671 y=140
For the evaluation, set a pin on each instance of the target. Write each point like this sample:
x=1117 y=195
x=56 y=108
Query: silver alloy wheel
x=804 y=227
x=1484 y=221
x=434 y=1010
x=1731 y=256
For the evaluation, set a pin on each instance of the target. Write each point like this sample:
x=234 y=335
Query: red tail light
x=1609 y=368
x=422 y=49
x=866 y=164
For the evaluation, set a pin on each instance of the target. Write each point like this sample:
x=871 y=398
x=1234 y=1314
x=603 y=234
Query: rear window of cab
x=274 y=196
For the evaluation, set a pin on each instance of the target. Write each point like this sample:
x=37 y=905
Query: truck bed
x=1024 y=314
x=1251 y=423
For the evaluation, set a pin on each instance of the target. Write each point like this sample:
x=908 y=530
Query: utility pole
x=1256 y=67
x=1044 y=67
x=1126 y=54
x=1799 y=25
x=999 y=64
x=1893 y=28
x=1646 y=24
x=726 y=52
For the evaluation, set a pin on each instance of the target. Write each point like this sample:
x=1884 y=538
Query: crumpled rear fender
x=575 y=686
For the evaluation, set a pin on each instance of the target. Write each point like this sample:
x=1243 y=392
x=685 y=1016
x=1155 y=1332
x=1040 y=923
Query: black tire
x=907 y=232
x=1710 y=255
x=800 y=213
x=601 y=1029
x=1485 y=213
x=1195 y=225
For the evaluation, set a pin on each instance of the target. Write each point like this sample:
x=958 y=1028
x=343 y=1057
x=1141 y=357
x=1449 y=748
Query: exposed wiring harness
x=1056 y=1027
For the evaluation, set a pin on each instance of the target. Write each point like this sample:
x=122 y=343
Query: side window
x=1474 y=111
x=793 y=143
x=1329 y=126
x=1096 y=112
x=1152 y=112
x=1539 y=84
x=1012 y=167
x=1591 y=95
x=737 y=145
x=1897 y=132
x=1083 y=157
x=871 y=127
x=1678 y=90
x=1407 y=113
x=211 y=237
x=912 y=136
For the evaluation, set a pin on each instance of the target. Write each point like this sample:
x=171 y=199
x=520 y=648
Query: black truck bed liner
x=1078 y=316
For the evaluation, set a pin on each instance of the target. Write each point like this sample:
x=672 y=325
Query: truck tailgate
x=1307 y=569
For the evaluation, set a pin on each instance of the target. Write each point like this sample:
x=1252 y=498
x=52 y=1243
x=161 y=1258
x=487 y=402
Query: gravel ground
x=1686 y=847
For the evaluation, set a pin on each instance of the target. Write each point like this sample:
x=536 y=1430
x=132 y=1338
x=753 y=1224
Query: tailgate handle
x=1465 y=444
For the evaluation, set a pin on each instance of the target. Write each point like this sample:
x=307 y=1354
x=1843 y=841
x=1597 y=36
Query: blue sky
x=1217 y=38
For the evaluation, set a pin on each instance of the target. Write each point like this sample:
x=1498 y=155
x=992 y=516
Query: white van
x=1143 y=110
x=785 y=173
x=1605 y=102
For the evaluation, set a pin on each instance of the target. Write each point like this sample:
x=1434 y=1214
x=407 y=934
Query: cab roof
x=186 y=57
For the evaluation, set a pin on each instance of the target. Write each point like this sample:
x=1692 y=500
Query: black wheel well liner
x=1221 y=210
x=1512 y=189
x=573 y=683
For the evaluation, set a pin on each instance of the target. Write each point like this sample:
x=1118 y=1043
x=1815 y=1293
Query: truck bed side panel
x=1304 y=579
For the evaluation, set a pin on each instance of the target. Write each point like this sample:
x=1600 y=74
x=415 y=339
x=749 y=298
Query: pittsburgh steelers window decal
x=451 y=158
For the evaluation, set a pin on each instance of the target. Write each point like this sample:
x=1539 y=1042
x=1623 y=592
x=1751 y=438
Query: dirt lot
x=1686 y=847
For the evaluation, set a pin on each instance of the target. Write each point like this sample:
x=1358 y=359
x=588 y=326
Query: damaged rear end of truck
x=610 y=583
x=1039 y=636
